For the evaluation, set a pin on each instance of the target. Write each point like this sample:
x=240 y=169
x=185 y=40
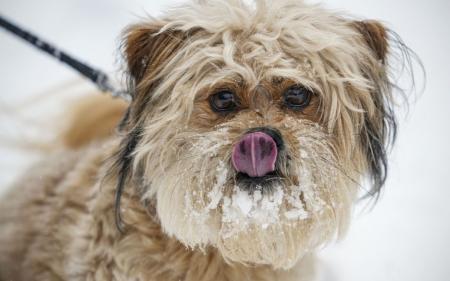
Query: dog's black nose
x=274 y=133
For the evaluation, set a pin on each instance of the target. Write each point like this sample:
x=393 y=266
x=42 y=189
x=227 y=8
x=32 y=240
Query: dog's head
x=252 y=126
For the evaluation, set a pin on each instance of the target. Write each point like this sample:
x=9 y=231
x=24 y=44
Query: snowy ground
x=406 y=236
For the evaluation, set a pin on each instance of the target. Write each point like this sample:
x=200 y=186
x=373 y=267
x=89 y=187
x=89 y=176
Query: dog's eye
x=297 y=97
x=223 y=101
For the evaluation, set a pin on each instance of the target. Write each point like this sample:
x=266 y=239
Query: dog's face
x=251 y=128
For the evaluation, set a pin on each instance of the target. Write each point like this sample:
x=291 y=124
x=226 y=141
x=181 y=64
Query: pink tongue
x=255 y=154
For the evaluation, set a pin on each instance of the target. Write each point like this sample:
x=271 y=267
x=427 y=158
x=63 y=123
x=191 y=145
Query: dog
x=251 y=129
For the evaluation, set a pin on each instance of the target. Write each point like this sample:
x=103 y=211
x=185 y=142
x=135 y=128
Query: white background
x=405 y=237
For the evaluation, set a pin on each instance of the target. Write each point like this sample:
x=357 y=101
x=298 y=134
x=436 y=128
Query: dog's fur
x=159 y=199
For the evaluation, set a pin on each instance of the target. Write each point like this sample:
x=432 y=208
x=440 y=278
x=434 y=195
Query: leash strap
x=98 y=77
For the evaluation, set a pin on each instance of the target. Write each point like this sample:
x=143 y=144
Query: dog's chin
x=261 y=226
x=280 y=245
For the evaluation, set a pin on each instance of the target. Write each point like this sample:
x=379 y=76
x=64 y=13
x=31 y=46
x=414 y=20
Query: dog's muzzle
x=256 y=153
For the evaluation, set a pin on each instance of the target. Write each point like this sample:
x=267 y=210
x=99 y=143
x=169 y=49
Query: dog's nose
x=255 y=154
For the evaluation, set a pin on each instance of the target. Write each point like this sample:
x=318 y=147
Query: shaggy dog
x=250 y=130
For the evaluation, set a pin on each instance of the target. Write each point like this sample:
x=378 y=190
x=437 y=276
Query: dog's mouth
x=264 y=183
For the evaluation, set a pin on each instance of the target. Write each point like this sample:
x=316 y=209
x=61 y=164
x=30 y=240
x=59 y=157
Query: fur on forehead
x=204 y=43
x=198 y=45
x=214 y=40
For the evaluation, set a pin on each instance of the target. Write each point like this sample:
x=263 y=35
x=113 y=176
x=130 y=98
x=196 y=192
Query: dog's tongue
x=255 y=154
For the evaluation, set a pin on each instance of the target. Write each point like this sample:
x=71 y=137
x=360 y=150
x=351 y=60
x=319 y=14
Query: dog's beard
x=202 y=202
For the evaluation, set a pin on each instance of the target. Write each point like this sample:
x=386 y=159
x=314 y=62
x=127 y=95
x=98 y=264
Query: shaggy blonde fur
x=166 y=177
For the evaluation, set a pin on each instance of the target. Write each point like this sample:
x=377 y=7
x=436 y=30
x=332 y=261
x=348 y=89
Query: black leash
x=97 y=76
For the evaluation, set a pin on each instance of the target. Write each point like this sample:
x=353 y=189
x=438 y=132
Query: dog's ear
x=147 y=48
x=379 y=129
x=375 y=35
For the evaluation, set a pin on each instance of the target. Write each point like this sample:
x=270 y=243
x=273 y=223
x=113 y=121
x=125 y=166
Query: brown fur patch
x=375 y=36
x=92 y=118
